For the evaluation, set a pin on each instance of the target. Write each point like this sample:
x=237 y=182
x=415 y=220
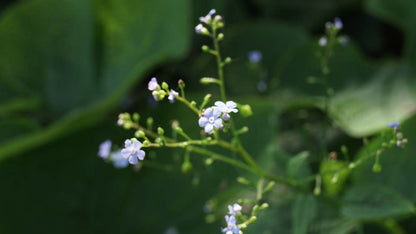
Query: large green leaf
x=303 y=212
x=367 y=109
x=372 y=203
x=78 y=58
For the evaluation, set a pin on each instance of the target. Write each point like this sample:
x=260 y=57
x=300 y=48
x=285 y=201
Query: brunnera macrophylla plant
x=214 y=118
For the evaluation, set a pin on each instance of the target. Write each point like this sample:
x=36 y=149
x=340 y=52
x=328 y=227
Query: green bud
x=146 y=143
x=344 y=150
x=181 y=84
x=377 y=168
x=193 y=103
x=269 y=186
x=317 y=191
x=175 y=124
x=264 y=206
x=205 y=48
x=227 y=60
x=245 y=110
x=149 y=123
x=186 y=167
x=255 y=209
x=160 y=131
x=159 y=141
x=165 y=85
x=136 y=117
x=209 y=80
x=243 y=180
x=127 y=125
x=220 y=37
x=210 y=218
x=209 y=161
x=139 y=134
x=207 y=97
x=242 y=130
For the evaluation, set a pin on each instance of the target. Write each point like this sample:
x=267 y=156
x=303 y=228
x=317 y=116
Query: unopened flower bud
x=220 y=37
x=245 y=110
x=243 y=180
x=160 y=131
x=181 y=84
x=139 y=134
x=165 y=85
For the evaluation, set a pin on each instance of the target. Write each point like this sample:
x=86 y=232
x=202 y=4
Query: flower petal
x=218 y=123
x=125 y=153
x=127 y=143
x=133 y=160
x=137 y=144
x=208 y=128
x=141 y=154
x=202 y=121
x=208 y=112
x=216 y=112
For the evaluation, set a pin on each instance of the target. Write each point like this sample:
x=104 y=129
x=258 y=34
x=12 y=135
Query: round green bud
x=186 y=167
x=205 y=48
x=377 y=168
x=245 y=110
x=136 y=117
x=160 y=131
x=165 y=85
x=220 y=36
x=139 y=134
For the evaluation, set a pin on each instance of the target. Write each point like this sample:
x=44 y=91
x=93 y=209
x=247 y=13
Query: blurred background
x=68 y=67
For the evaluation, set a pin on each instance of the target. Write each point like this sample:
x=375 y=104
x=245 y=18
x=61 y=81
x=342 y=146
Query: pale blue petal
x=216 y=112
x=231 y=104
x=137 y=144
x=125 y=153
x=208 y=128
x=218 y=123
x=208 y=112
x=141 y=154
x=127 y=143
x=202 y=121
x=133 y=160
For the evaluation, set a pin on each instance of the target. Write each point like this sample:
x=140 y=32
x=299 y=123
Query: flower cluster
x=214 y=22
x=214 y=116
x=332 y=28
x=159 y=92
x=398 y=138
x=230 y=219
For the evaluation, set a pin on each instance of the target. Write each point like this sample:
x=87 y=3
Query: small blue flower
x=232 y=227
x=338 y=23
x=207 y=19
x=132 y=151
x=172 y=95
x=254 y=56
x=153 y=85
x=199 y=28
x=399 y=143
x=118 y=160
x=104 y=149
x=234 y=209
x=323 y=41
x=210 y=119
x=227 y=107
x=394 y=125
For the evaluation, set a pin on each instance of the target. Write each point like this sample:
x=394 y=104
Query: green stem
x=188 y=104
